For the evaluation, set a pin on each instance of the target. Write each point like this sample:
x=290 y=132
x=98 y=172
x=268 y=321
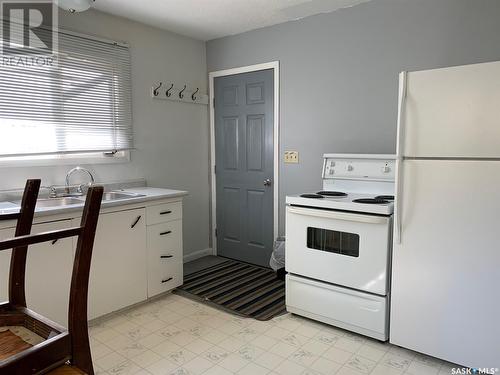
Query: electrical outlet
x=291 y=156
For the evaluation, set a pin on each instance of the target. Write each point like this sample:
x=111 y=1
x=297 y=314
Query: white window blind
x=82 y=104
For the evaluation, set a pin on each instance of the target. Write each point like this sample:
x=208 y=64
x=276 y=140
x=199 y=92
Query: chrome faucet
x=79 y=191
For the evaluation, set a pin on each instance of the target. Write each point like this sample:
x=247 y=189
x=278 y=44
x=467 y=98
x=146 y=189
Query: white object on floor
x=446 y=261
x=338 y=248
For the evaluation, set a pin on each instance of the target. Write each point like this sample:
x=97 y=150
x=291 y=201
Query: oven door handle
x=338 y=215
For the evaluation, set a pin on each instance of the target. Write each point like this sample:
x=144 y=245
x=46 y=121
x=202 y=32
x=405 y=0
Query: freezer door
x=446 y=270
x=453 y=112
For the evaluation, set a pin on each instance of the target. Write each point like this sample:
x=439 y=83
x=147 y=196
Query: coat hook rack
x=178 y=93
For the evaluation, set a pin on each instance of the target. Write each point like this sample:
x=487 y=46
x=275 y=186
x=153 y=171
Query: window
x=80 y=105
x=333 y=241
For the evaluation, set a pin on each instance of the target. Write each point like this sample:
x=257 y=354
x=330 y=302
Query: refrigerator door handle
x=400 y=156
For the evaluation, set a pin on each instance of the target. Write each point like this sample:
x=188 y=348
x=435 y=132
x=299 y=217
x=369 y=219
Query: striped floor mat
x=240 y=288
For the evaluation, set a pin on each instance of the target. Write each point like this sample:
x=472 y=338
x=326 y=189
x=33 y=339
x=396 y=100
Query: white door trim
x=275 y=65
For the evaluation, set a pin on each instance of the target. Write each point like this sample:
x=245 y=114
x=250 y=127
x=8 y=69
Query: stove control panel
x=359 y=167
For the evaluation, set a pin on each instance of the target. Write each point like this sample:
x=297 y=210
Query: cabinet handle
x=54 y=242
x=136 y=221
x=165 y=212
x=166 y=280
x=164 y=233
x=166 y=256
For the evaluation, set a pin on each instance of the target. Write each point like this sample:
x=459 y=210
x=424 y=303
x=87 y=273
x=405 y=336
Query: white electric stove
x=339 y=245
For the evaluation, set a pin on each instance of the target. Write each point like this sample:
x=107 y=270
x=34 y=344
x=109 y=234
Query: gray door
x=244 y=117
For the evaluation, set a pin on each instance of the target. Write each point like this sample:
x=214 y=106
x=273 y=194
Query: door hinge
x=215 y=232
x=215 y=169
x=213 y=102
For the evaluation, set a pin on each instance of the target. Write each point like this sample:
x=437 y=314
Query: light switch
x=291 y=156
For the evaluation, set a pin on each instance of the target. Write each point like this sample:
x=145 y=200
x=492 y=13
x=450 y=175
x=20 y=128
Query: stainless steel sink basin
x=68 y=201
x=55 y=202
x=116 y=195
x=58 y=202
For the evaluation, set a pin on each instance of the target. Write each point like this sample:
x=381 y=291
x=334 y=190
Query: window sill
x=64 y=159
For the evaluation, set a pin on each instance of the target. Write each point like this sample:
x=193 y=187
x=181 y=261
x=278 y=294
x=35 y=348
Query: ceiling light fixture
x=74 y=6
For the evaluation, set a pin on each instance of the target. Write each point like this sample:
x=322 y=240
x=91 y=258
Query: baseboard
x=197 y=254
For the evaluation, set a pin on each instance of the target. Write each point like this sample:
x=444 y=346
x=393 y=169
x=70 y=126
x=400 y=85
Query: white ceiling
x=210 y=19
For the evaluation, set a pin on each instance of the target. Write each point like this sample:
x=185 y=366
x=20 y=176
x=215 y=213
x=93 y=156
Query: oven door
x=341 y=248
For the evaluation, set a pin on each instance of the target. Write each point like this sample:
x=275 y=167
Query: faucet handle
x=53 y=192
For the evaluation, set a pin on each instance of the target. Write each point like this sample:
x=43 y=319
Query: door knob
x=267 y=182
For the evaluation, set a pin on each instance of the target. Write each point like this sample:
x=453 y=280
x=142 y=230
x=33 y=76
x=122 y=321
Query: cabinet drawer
x=163 y=213
x=165 y=240
x=164 y=276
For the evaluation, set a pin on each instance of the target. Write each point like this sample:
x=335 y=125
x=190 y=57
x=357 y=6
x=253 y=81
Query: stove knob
x=349 y=168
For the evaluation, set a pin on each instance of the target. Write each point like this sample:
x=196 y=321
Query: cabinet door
x=48 y=273
x=118 y=275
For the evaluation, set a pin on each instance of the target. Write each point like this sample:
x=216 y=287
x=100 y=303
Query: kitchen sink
x=58 y=202
x=55 y=202
x=68 y=201
x=116 y=195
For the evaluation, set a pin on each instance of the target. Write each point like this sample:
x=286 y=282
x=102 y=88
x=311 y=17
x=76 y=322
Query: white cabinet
x=164 y=257
x=165 y=265
x=118 y=274
x=48 y=273
x=137 y=254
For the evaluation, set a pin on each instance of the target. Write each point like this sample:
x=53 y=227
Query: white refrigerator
x=445 y=299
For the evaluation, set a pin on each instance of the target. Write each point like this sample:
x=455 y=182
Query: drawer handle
x=136 y=221
x=164 y=233
x=165 y=212
x=166 y=280
x=166 y=256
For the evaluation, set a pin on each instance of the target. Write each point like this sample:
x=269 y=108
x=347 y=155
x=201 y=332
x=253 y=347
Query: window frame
x=55 y=159
x=49 y=160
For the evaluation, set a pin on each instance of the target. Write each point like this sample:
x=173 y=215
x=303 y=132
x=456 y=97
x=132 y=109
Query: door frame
x=275 y=65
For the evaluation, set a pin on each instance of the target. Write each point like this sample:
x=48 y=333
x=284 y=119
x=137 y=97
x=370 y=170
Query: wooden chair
x=62 y=350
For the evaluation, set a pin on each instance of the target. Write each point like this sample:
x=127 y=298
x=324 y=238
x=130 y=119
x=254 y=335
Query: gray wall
x=171 y=138
x=339 y=71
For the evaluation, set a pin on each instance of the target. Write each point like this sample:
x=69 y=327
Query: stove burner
x=371 y=201
x=332 y=193
x=385 y=197
x=315 y=196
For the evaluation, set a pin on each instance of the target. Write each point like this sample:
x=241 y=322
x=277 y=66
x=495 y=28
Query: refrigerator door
x=446 y=270
x=453 y=112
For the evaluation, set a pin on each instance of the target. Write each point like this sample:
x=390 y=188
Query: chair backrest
x=60 y=345
x=17 y=295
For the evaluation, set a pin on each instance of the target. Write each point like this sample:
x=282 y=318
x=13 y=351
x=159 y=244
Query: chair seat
x=16 y=339
x=66 y=370
x=11 y=344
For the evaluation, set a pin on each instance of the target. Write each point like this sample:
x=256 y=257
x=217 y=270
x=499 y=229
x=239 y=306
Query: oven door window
x=333 y=241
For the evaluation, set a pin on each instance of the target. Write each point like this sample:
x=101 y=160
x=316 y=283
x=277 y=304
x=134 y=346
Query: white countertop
x=149 y=194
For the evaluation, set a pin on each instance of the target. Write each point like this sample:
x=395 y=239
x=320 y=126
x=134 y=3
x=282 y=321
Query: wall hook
x=181 y=93
x=155 y=91
x=168 y=93
x=193 y=96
